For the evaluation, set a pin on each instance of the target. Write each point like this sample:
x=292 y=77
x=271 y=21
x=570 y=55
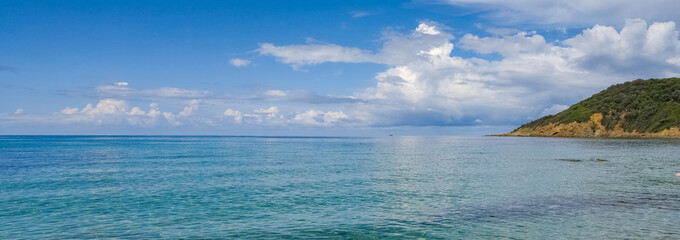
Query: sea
x=240 y=187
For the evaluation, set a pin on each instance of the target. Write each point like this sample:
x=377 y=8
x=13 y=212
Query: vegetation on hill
x=642 y=105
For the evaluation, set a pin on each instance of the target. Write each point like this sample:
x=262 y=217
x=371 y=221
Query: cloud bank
x=423 y=82
x=425 y=85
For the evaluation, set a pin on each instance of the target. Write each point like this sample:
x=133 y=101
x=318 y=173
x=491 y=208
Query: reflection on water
x=413 y=187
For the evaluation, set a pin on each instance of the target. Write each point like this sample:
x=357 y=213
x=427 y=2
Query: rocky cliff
x=590 y=129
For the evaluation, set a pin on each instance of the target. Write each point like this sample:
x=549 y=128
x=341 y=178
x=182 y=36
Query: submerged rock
x=569 y=160
x=579 y=160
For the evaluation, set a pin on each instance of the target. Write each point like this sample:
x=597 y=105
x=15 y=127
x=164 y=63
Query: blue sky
x=358 y=68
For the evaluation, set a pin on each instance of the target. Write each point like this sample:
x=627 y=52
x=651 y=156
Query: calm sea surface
x=397 y=187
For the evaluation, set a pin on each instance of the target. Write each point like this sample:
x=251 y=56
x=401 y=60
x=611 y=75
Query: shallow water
x=397 y=187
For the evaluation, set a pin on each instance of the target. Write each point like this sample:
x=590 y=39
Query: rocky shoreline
x=590 y=129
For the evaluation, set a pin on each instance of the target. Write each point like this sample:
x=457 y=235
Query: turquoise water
x=364 y=188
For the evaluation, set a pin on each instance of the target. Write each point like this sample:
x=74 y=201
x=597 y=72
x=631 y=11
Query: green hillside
x=642 y=105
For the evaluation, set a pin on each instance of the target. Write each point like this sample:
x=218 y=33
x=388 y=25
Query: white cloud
x=153 y=110
x=19 y=111
x=237 y=115
x=105 y=106
x=508 y=46
x=315 y=53
x=637 y=49
x=427 y=29
x=137 y=111
x=115 y=111
x=264 y=116
x=359 y=14
x=275 y=93
x=273 y=117
x=237 y=62
x=270 y=112
x=106 y=111
x=123 y=90
x=425 y=85
x=169 y=92
x=69 y=111
x=319 y=118
x=115 y=90
x=334 y=117
x=189 y=110
x=397 y=48
x=573 y=13
x=171 y=119
x=310 y=117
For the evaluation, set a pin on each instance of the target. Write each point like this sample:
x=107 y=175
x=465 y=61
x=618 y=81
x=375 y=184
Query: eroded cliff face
x=590 y=129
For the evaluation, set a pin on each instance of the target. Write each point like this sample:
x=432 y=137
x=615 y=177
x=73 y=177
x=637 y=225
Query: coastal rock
x=590 y=129
x=637 y=109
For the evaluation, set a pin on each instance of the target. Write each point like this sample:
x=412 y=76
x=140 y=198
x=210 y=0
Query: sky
x=319 y=68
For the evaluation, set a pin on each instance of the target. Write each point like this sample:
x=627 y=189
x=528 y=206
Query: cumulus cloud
x=261 y=116
x=106 y=107
x=153 y=110
x=19 y=111
x=189 y=110
x=105 y=111
x=137 y=111
x=270 y=112
x=574 y=13
x=237 y=62
x=425 y=85
x=237 y=115
x=319 y=118
x=310 y=117
x=638 y=49
x=115 y=111
x=273 y=117
x=112 y=111
x=172 y=120
x=69 y=111
x=427 y=29
x=334 y=117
